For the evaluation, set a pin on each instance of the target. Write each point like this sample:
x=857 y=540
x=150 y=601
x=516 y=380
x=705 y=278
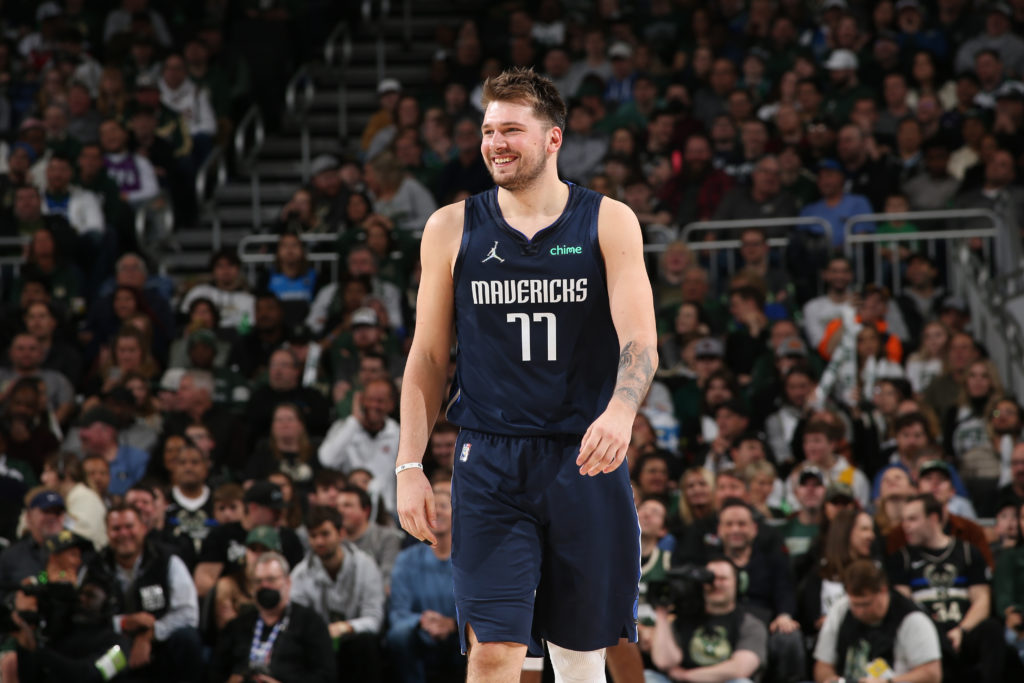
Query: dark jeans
x=982 y=655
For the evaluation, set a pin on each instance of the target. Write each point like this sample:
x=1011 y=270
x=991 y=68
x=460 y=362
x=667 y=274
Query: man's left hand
x=956 y=637
x=783 y=624
x=604 y=445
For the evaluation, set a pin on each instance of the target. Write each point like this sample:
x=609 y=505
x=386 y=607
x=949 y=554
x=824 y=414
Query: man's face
x=810 y=493
x=937 y=484
x=112 y=137
x=443 y=508
x=282 y=373
x=27 y=205
x=377 y=404
x=354 y=517
x=736 y=528
x=999 y=170
x=126 y=533
x=25 y=353
x=723 y=590
x=268 y=314
x=838 y=275
x=653 y=476
x=830 y=182
x=870 y=608
x=850 y=144
x=730 y=424
x=728 y=487
x=753 y=245
x=361 y=262
x=39 y=323
x=746 y=452
x=915 y=524
x=817 y=448
x=515 y=145
x=1017 y=466
x=43 y=523
x=58 y=176
x=370 y=369
x=442 y=448
x=144 y=504
x=190 y=468
x=174 y=71
x=910 y=440
x=324 y=541
x=271 y=575
x=225 y=273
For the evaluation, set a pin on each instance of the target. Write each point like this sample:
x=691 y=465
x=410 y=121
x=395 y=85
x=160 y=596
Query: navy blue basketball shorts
x=540 y=552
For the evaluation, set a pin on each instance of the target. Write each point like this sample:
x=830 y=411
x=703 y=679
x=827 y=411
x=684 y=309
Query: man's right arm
x=427 y=366
x=665 y=652
x=207 y=574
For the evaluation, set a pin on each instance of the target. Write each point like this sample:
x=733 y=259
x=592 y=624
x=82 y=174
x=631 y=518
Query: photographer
x=717 y=643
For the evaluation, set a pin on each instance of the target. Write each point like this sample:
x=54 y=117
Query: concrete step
x=240 y=193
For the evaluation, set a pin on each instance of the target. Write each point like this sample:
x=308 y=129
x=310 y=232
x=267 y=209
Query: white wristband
x=409 y=466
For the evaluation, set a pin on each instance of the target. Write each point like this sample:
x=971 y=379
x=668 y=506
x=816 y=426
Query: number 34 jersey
x=939 y=579
x=537 y=351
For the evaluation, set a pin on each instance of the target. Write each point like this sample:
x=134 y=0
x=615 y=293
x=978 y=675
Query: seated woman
x=287 y=449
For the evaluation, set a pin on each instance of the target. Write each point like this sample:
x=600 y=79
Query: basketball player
x=545 y=286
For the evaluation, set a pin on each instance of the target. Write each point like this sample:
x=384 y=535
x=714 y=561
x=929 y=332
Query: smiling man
x=544 y=282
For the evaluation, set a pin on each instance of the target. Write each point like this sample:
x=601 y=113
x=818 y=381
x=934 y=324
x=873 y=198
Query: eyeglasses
x=271 y=580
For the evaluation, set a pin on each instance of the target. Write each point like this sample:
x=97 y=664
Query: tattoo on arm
x=636 y=370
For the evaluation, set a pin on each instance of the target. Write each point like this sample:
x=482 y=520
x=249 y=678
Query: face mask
x=268 y=598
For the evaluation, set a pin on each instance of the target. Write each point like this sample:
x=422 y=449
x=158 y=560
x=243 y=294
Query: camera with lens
x=682 y=588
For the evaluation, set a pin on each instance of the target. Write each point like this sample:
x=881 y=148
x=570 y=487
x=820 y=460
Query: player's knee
x=573 y=666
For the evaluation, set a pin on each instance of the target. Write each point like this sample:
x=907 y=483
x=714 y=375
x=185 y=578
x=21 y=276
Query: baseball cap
x=935 y=466
x=830 y=165
x=323 y=162
x=265 y=493
x=709 y=347
x=266 y=536
x=47 y=500
x=791 y=346
x=146 y=81
x=620 y=50
x=202 y=336
x=387 y=85
x=171 y=379
x=364 y=316
x=841 y=60
x=839 y=492
x=67 y=539
x=98 y=414
x=954 y=302
x=809 y=472
x=1010 y=90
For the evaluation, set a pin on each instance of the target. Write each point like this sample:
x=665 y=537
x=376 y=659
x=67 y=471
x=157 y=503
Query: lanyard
x=259 y=651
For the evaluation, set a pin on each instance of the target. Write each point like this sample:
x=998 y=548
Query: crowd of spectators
x=215 y=457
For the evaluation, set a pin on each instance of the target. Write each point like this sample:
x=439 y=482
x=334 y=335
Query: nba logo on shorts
x=465 y=453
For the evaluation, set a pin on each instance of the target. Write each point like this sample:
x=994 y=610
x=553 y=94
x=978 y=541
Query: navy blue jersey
x=537 y=351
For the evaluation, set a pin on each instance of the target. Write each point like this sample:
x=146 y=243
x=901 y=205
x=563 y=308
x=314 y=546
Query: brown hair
x=526 y=86
x=837 y=557
x=863 y=577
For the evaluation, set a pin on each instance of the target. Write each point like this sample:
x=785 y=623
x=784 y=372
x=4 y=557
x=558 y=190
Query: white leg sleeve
x=533 y=664
x=572 y=666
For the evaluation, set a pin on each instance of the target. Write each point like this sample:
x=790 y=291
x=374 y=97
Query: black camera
x=682 y=588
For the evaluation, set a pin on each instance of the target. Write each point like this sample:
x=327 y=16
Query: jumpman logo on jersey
x=493 y=253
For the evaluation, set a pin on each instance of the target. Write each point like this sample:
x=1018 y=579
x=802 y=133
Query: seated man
x=280 y=640
x=423 y=634
x=692 y=647
x=875 y=632
x=382 y=543
x=949 y=579
x=343 y=585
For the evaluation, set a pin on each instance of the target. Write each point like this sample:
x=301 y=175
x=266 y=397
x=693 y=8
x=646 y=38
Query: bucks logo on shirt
x=940 y=580
x=710 y=645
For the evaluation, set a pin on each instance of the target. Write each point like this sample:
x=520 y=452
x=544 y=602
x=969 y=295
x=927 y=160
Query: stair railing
x=249 y=138
x=338 y=53
x=298 y=99
x=206 y=191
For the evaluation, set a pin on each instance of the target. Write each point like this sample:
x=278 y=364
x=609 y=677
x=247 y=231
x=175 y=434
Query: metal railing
x=12 y=253
x=206 y=191
x=376 y=19
x=247 y=154
x=339 y=47
x=855 y=243
x=730 y=246
x=298 y=99
x=254 y=250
